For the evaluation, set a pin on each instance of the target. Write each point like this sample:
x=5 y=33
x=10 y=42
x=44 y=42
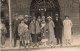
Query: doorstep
x=40 y=47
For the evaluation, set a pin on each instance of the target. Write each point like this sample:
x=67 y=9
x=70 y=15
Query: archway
x=44 y=8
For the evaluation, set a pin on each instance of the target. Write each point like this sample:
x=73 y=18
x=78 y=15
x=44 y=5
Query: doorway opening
x=45 y=8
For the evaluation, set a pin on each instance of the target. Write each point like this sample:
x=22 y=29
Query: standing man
x=15 y=28
x=58 y=30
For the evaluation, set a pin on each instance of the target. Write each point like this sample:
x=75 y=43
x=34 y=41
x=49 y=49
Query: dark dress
x=58 y=30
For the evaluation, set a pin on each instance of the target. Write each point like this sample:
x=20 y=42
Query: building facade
x=65 y=7
x=46 y=8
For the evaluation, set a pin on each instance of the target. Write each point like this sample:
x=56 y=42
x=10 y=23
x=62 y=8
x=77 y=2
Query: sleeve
x=5 y=30
x=19 y=29
x=63 y=23
x=53 y=24
x=14 y=27
x=71 y=23
x=30 y=27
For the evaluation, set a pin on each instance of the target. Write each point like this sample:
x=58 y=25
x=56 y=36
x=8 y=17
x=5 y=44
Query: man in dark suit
x=58 y=30
x=15 y=29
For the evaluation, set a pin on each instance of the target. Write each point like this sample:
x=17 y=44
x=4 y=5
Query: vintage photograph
x=40 y=25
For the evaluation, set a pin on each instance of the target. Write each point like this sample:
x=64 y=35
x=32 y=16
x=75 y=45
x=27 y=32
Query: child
x=27 y=36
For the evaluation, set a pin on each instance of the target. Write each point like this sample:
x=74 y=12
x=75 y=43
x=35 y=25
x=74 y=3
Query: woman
x=2 y=33
x=43 y=27
x=21 y=29
x=43 y=30
x=51 y=26
x=35 y=31
x=67 y=23
x=39 y=37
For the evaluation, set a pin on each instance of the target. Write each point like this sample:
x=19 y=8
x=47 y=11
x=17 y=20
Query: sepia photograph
x=39 y=25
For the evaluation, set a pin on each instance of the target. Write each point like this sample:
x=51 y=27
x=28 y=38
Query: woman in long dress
x=52 y=39
x=67 y=23
x=43 y=31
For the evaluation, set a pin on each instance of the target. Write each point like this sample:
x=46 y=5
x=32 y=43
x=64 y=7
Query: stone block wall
x=67 y=7
x=20 y=6
x=72 y=9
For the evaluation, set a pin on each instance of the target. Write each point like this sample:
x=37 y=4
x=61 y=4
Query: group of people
x=38 y=31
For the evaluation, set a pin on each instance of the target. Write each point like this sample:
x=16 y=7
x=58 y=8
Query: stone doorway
x=45 y=8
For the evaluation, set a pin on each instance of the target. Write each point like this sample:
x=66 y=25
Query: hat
x=56 y=15
x=49 y=17
x=43 y=16
x=21 y=17
x=26 y=15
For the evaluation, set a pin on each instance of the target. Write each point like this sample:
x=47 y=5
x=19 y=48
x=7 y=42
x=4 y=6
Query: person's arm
x=19 y=30
x=30 y=27
x=71 y=23
x=53 y=24
x=5 y=30
x=14 y=27
x=61 y=23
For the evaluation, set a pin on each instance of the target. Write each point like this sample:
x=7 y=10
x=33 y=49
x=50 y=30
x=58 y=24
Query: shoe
x=53 y=46
x=2 y=46
x=34 y=46
x=26 y=43
x=57 y=44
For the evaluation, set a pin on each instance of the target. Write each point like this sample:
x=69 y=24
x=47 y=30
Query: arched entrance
x=44 y=8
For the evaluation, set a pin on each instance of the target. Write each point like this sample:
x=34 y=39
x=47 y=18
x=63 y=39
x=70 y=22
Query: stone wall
x=67 y=7
x=20 y=6
x=71 y=8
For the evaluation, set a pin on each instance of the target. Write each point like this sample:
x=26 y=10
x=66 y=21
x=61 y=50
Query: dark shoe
x=14 y=46
x=52 y=46
x=57 y=44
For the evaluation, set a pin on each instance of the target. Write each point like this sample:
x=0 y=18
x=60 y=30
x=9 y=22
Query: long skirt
x=52 y=39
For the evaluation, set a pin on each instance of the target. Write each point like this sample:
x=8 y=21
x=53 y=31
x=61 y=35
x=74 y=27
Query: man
x=15 y=28
x=58 y=29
